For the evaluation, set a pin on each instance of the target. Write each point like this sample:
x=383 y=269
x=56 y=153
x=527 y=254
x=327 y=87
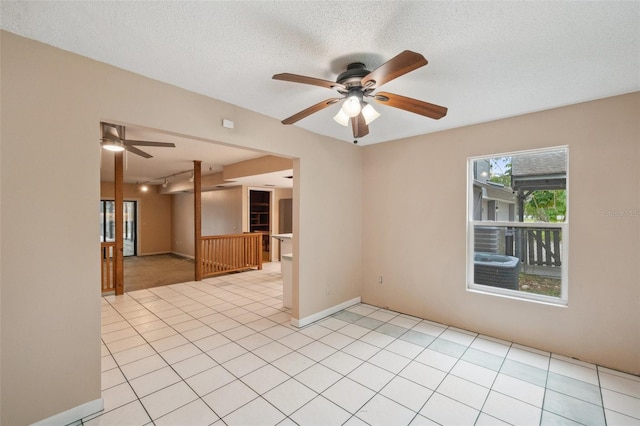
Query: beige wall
x=52 y=103
x=182 y=231
x=154 y=216
x=256 y=166
x=415 y=237
x=50 y=214
x=222 y=212
x=221 y=215
x=1 y=245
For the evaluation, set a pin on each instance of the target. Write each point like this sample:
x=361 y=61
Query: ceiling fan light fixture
x=341 y=118
x=111 y=145
x=369 y=114
x=351 y=106
x=110 y=139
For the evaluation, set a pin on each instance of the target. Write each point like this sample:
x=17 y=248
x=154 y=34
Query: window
x=517 y=225
x=108 y=225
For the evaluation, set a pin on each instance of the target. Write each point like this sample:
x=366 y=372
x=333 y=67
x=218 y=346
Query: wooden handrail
x=229 y=253
x=107 y=266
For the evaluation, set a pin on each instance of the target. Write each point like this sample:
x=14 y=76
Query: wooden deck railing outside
x=107 y=266
x=228 y=253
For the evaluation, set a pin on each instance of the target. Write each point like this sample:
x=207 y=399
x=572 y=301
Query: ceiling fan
x=357 y=84
x=113 y=139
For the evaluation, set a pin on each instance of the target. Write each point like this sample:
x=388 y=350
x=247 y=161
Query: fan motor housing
x=353 y=76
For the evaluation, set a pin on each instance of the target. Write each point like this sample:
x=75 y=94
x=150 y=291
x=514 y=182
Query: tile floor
x=222 y=352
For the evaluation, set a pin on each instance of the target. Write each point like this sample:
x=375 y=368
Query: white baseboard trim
x=74 y=414
x=303 y=322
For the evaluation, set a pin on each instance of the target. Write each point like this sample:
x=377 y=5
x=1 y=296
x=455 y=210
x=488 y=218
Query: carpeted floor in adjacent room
x=142 y=272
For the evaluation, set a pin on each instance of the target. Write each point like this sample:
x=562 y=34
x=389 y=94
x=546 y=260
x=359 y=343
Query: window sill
x=517 y=295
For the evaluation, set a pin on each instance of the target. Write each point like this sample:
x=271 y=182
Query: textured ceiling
x=487 y=60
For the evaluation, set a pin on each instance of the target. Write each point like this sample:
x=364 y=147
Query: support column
x=197 y=217
x=118 y=261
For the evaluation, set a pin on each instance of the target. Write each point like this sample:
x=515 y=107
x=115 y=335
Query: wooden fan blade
x=401 y=64
x=412 y=105
x=149 y=143
x=307 y=112
x=359 y=126
x=134 y=150
x=309 y=80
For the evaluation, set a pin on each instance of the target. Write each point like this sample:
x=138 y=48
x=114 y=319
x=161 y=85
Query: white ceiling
x=487 y=60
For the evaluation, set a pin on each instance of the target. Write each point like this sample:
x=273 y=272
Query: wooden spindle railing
x=229 y=253
x=107 y=266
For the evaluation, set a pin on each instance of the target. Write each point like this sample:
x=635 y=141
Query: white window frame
x=471 y=286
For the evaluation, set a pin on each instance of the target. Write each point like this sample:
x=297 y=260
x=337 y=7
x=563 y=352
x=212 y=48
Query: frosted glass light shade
x=111 y=145
x=351 y=106
x=342 y=118
x=110 y=139
x=369 y=114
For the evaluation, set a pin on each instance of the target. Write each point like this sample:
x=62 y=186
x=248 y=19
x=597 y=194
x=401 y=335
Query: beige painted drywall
x=154 y=216
x=182 y=234
x=52 y=103
x=1 y=137
x=222 y=212
x=50 y=213
x=256 y=166
x=414 y=219
x=221 y=215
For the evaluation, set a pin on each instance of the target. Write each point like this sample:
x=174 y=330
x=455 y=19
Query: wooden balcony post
x=119 y=220
x=197 y=217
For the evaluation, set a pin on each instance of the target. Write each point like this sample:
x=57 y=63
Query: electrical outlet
x=379 y=279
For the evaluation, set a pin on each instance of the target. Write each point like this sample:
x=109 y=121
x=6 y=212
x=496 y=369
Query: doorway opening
x=130 y=231
x=260 y=219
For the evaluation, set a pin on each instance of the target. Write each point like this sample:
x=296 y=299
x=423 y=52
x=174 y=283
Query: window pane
x=526 y=259
x=529 y=190
x=101 y=221
x=526 y=187
x=110 y=221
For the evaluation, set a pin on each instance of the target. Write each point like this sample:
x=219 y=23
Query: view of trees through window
x=518 y=213
x=540 y=205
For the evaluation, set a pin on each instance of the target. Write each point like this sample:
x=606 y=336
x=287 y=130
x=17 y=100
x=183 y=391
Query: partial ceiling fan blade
x=134 y=150
x=294 y=78
x=307 y=112
x=412 y=105
x=401 y=64
x=129 y=142
x=359 y=126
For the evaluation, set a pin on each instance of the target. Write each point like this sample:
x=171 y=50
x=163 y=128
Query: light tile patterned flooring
x=222 y=352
